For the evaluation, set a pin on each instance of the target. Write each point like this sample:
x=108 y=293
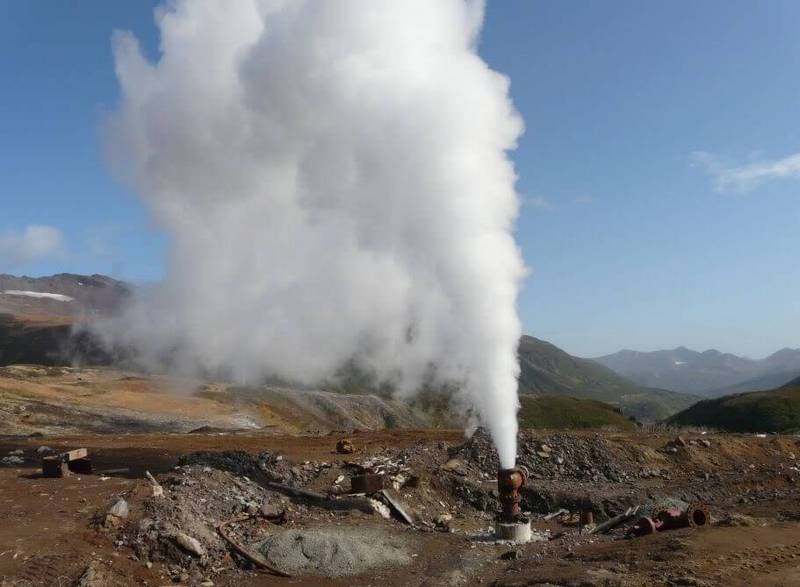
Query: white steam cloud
x=335 y=183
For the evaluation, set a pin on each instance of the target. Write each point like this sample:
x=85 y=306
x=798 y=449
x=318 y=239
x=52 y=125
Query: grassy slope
x=569 y=413
x=777 y=410
x=549 y=370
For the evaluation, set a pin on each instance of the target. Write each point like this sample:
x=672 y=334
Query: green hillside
x=546 y=369
x=777 y=410
x=569 y=413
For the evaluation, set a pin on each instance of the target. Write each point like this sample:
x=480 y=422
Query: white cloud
x=584 y=200
x=742 y=178
x=538 y=202
x=34 y=242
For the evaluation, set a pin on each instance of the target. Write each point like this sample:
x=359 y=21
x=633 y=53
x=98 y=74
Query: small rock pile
x=15 y=457
x=334 y=552
x=555 y=456
x=179 y=527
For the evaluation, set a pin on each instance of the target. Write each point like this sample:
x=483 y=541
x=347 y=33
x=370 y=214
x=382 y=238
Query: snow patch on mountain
x=39 y=295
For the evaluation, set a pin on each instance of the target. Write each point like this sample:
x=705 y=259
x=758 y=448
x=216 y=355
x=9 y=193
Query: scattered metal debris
x=396 y=503
x=362 y=504
x=609 y=525
x=116 y=471
x=555 y=514
x=695 y=515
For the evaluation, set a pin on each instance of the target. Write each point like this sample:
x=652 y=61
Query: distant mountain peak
x=546 y=369
x=784 y=352
x=42 y=297
x=710 y=372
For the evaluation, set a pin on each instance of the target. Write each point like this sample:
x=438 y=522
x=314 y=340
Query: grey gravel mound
x=334 y=552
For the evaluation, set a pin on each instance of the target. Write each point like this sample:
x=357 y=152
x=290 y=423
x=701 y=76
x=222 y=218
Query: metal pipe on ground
x=694 y=516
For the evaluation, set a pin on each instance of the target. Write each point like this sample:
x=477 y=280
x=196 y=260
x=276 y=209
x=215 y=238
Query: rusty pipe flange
x=509 y=481
x=643 y=527
x=697 y=515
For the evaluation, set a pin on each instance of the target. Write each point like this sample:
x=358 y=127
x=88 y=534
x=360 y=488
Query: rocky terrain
x=223 y=509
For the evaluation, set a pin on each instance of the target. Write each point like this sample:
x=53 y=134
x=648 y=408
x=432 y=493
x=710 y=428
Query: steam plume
x=334 y=180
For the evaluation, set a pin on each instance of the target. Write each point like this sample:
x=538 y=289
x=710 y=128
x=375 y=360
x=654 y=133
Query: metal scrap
x=615 y=521
x=319 y=499
x=396 y=503
x=555 y=514
x=693 y=516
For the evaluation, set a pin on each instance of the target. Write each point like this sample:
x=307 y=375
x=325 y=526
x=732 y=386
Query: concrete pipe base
x=518 y=532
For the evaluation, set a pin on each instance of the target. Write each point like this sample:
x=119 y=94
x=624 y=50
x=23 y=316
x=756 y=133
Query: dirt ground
x=49 y=533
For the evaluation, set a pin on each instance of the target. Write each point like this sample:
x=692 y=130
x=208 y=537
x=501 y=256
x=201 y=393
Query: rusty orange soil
x=46 y=533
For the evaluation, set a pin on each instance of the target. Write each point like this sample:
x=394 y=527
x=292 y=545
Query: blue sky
x=662 y=203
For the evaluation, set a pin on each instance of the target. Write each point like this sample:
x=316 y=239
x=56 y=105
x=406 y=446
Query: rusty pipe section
x=694 y=516
x=509 y=482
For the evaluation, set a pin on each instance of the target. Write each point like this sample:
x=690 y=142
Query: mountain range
x=547 y=369
x=709 y=373
x=61 y=297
